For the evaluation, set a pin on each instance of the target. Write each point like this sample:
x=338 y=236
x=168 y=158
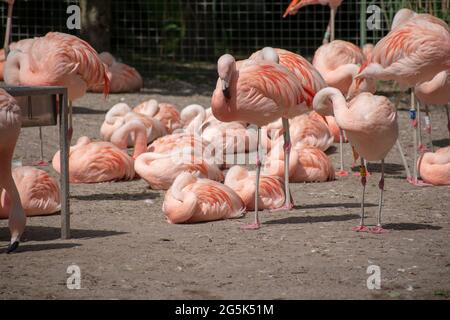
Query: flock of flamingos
x=275 y=104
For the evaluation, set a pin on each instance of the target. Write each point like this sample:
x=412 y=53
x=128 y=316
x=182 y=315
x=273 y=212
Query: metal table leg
x=64 y=158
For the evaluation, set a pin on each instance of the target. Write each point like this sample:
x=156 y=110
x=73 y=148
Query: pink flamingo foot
x=417 y=182
x=40 y=163
x=378 y=230
x=285 y=207
x=361 y=228
x=341 y=173
x=251 y=226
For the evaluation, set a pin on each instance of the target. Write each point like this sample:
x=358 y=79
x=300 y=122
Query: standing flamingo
x=57 y=59
x=93 y=162
x=411 y=53
x=39 y=192
x=339 y=62
x=371 y=125
x=10 y=124
x=259 y=93
x=436 y=91
x=295 y=5
x=191 y=199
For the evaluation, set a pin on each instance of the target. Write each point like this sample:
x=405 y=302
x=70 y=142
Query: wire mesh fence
x=183 y=38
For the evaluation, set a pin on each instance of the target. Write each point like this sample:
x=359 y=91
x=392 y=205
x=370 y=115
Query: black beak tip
x=12 y=247
x=226 y=93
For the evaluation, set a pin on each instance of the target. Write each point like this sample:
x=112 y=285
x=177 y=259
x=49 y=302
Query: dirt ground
x=125 y=248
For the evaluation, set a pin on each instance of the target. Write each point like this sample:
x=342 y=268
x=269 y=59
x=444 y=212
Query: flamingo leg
x=420 y=146
x=341 y=172
x=414 y=124
x=326 y=36
x=8 y=29
x=257 y=223
x=405 y=163
x=287 y=151
x=378 y=229
x=41 y=162
x=362 y=227
x=332 y=26
x=428 y=126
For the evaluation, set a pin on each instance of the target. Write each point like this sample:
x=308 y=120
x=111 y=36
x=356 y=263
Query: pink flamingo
x=120 y=114
x=57 y=59
x=191 y=199
x=242 y=182
x=371 y=125
x=306 y=164
x=436 y=91
x=10 y=124
x=339 y=62
x=93 y=162
x=259 y=93
x=295 y=5
x=123 y=78
x=307 y=129
x=166 y=113
x=179 y=140
x=411 y=53
x=161 y=169
x=39 y=192
x=435 y=167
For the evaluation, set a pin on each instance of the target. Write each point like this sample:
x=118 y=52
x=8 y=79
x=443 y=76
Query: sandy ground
x=125 y=248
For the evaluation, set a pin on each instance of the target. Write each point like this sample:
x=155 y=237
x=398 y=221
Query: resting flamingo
x=306 y=164
x=242 y=181
x=164 y=112
x=192 y=199
x=123 y=78
x=10 y=124
x=57 y=59
x=411 y=53
x=120 y=114
x=295 y=5
x=261 y=92
x=159 y=170
x=435 y=167
x=371 y=125
x=93 y=162
x=39 y=192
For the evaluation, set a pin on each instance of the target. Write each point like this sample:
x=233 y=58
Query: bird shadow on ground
x=441 y=143
x=410 y=226
x=85 y=110
x=389 y=168
x=41 y=233
x=313 y=219
x=333 y=205
x=116 y=196
x=41 y=247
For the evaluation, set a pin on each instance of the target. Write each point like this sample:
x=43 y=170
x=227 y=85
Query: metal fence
x=183 y=38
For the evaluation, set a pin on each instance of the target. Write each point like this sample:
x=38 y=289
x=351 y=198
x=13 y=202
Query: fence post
x=362 y=23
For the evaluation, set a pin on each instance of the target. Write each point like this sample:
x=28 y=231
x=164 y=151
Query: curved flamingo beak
x=292 y=9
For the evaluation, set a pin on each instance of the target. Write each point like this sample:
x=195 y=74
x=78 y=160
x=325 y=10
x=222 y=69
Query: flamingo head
x=225 y=67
